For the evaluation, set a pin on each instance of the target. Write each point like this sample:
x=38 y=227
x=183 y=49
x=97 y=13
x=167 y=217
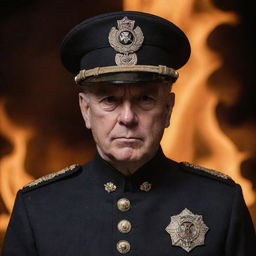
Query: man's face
x=127 y=121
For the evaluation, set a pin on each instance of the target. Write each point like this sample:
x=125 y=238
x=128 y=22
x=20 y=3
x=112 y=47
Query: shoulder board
x=209 y=172
x=51 y=177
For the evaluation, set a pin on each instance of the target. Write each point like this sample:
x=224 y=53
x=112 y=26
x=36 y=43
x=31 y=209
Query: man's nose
x=127 y=115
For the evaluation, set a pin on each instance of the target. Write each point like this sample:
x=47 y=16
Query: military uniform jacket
x=166 y=209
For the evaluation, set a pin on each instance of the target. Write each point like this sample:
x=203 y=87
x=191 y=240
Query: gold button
x=124 y=226
x=123 y=204
x=123 y=246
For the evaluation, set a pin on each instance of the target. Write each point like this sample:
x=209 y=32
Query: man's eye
x=109 y=100
x=146 y=98
x=146 y=102
x=109 y=103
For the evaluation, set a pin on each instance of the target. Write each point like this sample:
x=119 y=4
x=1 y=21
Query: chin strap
x=161 y=70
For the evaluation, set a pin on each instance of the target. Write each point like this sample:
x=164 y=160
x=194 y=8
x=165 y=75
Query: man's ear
x=170 y=105
x=84 y=103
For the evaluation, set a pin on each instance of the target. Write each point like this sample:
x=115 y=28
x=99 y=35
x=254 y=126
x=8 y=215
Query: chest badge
x=187 y=230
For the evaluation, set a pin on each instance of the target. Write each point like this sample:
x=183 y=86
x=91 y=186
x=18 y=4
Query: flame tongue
x=12 y=170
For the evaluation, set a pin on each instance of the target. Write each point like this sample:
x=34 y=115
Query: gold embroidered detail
x=210 y=171
x=162 y=70
x=51 y=176
x=145 y=186
x=126 y=41
x=187 y=230
x=110 y=187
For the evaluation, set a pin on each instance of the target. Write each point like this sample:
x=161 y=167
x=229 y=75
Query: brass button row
x=123 y=226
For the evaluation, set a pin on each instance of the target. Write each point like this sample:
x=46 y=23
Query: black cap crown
x=125 y=47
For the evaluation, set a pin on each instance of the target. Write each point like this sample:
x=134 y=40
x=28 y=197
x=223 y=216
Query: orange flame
x=194 y=113
x=12 y=171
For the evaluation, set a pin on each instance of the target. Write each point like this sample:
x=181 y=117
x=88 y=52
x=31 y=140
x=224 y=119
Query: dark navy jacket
x=72 y=214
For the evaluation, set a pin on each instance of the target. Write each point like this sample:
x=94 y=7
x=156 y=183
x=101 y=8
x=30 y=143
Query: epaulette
x=208 y=172
x=51 y=177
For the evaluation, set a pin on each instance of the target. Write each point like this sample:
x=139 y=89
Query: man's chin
x=127 y=155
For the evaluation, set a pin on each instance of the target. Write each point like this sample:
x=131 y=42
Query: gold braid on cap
x=161 y=70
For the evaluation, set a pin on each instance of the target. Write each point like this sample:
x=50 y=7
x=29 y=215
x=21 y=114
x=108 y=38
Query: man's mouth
x=131 y=141
x=128 y=138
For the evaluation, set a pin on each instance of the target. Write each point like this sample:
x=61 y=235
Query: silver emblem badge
x=187 y=230
x=126 y=41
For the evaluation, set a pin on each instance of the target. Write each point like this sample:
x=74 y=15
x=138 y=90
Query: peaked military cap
x=125 y=47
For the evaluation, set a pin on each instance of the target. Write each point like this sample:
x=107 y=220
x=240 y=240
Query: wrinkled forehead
x=129 y=88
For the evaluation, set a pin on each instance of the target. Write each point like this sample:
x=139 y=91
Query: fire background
x=214 y=121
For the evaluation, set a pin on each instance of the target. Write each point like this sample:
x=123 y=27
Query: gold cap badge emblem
x=187 y=230
x=126 y=41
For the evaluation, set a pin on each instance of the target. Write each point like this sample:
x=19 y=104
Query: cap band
x=161 y=70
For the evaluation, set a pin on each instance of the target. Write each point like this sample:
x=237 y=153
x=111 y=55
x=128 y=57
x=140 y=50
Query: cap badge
x=187 y=230
x=126 y=41
x=110 y=187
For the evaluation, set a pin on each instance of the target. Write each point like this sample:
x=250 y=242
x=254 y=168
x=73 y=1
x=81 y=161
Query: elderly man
x=131 y=199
